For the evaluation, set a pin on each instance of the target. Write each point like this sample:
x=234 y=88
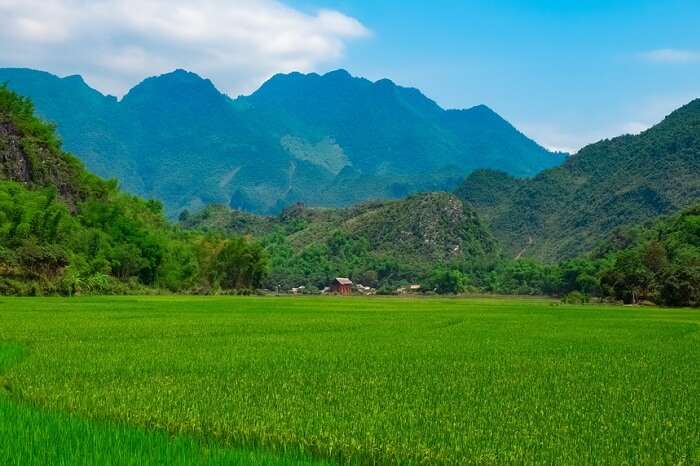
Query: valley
x=349 y=233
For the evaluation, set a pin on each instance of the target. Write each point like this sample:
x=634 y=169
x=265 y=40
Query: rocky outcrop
x=14 y=163
x=27 y=157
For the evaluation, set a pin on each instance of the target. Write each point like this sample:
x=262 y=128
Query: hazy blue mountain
x=330 y=140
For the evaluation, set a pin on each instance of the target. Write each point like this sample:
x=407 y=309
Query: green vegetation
x=579 y=231
x=32 y=436
x=424 y=239
x=563 y=212
x=64 y=231
x=658 y=262
x=330 y=140
x=379 y=381
x=379 y=244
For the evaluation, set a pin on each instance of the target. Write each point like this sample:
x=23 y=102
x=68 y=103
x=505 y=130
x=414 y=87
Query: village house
x=365 y=290
x=409 y=289
x=342 y=286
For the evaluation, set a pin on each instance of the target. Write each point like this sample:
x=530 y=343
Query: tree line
x=658 y=262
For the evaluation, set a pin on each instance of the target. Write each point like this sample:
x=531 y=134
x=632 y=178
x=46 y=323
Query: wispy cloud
x=634 y=120
x=671 y=56
x=116 y=43
x=558 y=139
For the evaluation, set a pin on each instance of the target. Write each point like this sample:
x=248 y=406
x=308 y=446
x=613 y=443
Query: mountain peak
x=481 y=108
x=175 y=84
x=179 y=75
x=75 y=78
x=385 y=83
x=282 y=80
x=338 y=74
x=480 y=113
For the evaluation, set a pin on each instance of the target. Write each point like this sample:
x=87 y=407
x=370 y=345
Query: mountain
x=384 y=127
x=331 y=140
x=374 y=243
x=565 y=211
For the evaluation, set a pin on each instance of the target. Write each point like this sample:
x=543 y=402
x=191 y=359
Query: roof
x=344 y=281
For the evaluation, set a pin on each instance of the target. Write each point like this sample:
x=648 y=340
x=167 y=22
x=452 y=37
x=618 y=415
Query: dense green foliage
x=563 y=212
x=658 y=262
x=330 y=140
x=438 y=242
x=377 y=380
x=378 y=244
x=64 y=231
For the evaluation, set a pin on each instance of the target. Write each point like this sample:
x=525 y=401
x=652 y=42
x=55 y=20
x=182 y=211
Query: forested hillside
x=435 y=241
x=379 y=244
x=65 y=231
x=565 y=211
x=331 y=140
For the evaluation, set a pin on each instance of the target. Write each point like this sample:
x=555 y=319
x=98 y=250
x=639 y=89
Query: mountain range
x=325 y=140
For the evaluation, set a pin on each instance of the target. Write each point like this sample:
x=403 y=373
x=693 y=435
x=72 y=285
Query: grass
x=384 y=381
x=30 y=436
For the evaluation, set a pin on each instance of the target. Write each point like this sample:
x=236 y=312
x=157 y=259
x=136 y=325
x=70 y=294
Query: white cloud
x=116 y=43
x=557 y=139
x=671 y=56
x=568 y=150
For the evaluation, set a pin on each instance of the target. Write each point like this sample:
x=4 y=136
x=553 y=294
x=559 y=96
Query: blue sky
x=566 y=73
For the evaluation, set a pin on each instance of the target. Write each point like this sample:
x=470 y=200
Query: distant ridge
x=326 y=140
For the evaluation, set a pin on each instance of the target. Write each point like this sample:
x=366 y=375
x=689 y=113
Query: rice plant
x=366 y=381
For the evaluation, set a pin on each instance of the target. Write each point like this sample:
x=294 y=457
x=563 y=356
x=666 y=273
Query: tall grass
x=31 y=436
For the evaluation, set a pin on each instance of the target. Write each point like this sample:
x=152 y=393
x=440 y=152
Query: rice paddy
x=184 y=380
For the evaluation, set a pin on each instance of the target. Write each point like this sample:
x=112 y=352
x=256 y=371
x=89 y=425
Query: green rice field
x=288 y=381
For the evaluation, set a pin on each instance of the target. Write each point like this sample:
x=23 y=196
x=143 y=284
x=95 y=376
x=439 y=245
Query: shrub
x=574 y=297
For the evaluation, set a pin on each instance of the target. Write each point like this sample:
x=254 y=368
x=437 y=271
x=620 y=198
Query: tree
x=448 y=281
x=681 y=286
x=241 y=264
x=628 y=280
